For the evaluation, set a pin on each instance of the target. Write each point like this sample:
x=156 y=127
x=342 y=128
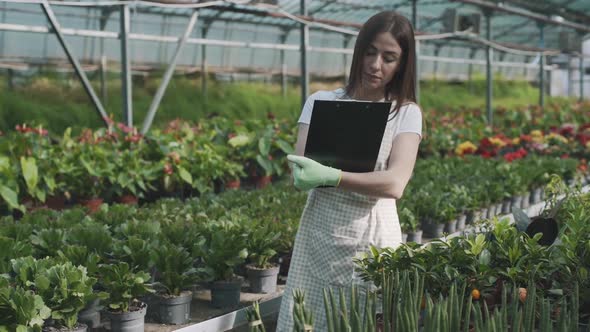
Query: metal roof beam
x=523 y=13
x=549 y=8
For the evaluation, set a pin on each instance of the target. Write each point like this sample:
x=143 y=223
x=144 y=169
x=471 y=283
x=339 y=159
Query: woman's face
x=380 y=62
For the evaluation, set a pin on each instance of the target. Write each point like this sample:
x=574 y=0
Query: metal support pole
x=204 y=73
x=541 y=65
x=85 y=82
x=304 y=43
x=472 y=52
x=126 y=67
x=168 y=74
x=489 y=81
x=2 y=34
x=437 y=48
x=104 y=16
x=570 y=82
x=283 y=39
x=345 y=66
x=582 y=70
x=417 y=64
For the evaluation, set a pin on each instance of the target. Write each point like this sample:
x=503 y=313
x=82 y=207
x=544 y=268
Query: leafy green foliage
x=122 y=285
x=175 y=269
x=65 y=290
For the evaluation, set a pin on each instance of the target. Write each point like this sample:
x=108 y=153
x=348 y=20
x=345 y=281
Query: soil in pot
x=175 y=309
x=131 y=321
x=226 y=294
x=262 y=280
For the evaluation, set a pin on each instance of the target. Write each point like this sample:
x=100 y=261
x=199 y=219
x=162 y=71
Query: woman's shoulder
x=328 y=94
x=409 y=105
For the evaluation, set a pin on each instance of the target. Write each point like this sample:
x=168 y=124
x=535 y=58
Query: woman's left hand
x=309 y=174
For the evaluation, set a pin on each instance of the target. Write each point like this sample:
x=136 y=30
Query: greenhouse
x=283 y=165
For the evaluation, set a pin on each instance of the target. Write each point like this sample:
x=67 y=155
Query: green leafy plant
x=21 y=310
x=225 y=247
x=175 y=269
x=261 y=243
x=65 y=289
x=123 y=286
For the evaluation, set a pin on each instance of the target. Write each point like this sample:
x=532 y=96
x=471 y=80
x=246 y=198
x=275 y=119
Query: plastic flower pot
x=226 y=294
x=432 y=229
x=56 y=202
x=93 y=204
x=526 y=198
x=263 y=181
x=132 y=321
x=127 y=199
x=516 y=201
x=536 y=195
x=262 y=280
x=451 y=226
x=90 y=315
x=175 y=309
x=232 y=185
x=415 y=236
x=461 y=221
x=404 y=237
x=506 y=206
x=285 y=262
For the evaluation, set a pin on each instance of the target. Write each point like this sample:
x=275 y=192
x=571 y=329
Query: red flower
x=565 y=155
x=168 y=169
x=124 y=128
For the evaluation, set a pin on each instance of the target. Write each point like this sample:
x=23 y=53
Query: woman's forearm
x=379 y=184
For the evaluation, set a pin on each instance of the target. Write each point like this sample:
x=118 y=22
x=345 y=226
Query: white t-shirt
x=408 y=120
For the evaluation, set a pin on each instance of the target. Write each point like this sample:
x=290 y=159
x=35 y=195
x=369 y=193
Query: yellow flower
x=465 y=147
x=554 y=136
x=497 y=142
x=516 y=141
x=588 y=145
x=536 y=133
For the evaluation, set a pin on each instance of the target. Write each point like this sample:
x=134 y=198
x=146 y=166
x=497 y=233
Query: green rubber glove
x=308 y=174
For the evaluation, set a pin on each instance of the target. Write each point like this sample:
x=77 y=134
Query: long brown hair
x=402 y=84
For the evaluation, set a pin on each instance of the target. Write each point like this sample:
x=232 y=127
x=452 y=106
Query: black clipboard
x=347 y=134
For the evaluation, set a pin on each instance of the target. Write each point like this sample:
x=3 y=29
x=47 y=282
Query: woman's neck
x=369 y=95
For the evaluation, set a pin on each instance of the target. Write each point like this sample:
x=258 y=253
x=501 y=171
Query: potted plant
x=80 y=255
x=261 y=244
x=65 y=289
x=175 y=274
x=409 y=225
x=224 y=248
x=124 y=286
x=21 y=309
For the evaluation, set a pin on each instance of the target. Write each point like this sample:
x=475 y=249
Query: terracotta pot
x=56 y=202
x=263 y=181
x=234 y=184
x=92 y=204
x=127 y=199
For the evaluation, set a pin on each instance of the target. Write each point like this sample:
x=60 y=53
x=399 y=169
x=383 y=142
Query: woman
x=360 y=210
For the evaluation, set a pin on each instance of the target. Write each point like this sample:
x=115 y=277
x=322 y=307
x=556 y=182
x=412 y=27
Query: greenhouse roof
x=515 y=23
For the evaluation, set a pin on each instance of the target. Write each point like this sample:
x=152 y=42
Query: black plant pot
x=175 y=309
x=226 y=294
x=263 y=280
x=132 y=321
